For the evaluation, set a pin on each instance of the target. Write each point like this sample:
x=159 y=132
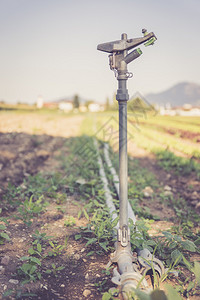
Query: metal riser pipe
x=123 y=169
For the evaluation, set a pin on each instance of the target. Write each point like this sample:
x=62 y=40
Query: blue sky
x=49 y=47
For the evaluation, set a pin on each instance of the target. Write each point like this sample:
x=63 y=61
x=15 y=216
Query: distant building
x=188 y=110
x=66 y=106
x=95 y=107
x=185 y=110
x=51 y=105
x=40 y=102
x=82 y=108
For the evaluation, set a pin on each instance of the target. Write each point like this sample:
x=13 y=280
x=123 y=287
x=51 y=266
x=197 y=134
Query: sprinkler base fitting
x=148 y=262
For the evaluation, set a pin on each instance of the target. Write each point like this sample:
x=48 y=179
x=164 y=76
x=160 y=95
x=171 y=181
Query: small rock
x=42 y=153
x=97 y=275
x=22 y=240
x=82 y=250
x=168 y=193
x=62 y=285
x=5 y=260
x=2 y=270
x=198 y=206
x=81 y=181
x=45 y=287
x=26 y=174
x=23 y=186
x=147 y=191
x=87 y=276
x=86 y=293
x=167 y=188
x=77 y=256
x=194 y=202
x=14 y=281
x=194 y=195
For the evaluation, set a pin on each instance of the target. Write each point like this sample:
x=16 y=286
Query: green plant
x=54 y=269
x=100 y=229
x=156 y=294
x=57 y=249
x=3 y=235
x=140 y=238
x=36 y=249
x=172 y=247
x=30 y=209
x=60 y=209
x=11 y=194
x=180 y=165
x=29 y=270
x=111 y=294
x=40 y=237
x=190 y=285
x=17 y=294
x=70 y=221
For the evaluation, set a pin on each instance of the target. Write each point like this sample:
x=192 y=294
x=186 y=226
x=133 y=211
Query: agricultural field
x=55 y=229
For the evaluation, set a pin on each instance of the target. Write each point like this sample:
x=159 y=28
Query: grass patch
x=179 y=165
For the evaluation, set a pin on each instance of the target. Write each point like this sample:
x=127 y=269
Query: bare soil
x=30 y=143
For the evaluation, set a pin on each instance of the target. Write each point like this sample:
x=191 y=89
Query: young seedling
x=3 y=235
x=30 y=209
x=70 y=221
x=54 y=270
x=57 y=249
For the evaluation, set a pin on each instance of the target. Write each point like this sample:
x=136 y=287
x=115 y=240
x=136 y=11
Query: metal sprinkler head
x=119 y=57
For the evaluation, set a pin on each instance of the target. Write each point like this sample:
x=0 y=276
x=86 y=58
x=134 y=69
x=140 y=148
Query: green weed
x=30 y=209
x=70 y=221
x=40 y=237
x=57 y=249
x=54 y=269
x=180 y=165
x=29 y=271
x=3 y=235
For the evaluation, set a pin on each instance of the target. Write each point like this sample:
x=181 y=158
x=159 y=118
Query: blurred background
x=49 y=48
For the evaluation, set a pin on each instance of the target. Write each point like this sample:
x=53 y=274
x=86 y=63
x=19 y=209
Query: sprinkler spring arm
x=126 y=44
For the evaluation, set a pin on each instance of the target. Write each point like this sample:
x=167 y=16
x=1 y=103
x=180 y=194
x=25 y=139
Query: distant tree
x=107 y=103
x=140 y=105
x=76 y=102
x=115 y=103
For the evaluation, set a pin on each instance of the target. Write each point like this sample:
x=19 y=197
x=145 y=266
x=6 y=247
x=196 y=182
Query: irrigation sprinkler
x=127 y=275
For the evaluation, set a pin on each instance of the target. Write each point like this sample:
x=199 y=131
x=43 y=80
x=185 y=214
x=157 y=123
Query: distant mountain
x=178 y=95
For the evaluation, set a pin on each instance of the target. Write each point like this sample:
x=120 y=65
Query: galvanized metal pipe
x=123 y=168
